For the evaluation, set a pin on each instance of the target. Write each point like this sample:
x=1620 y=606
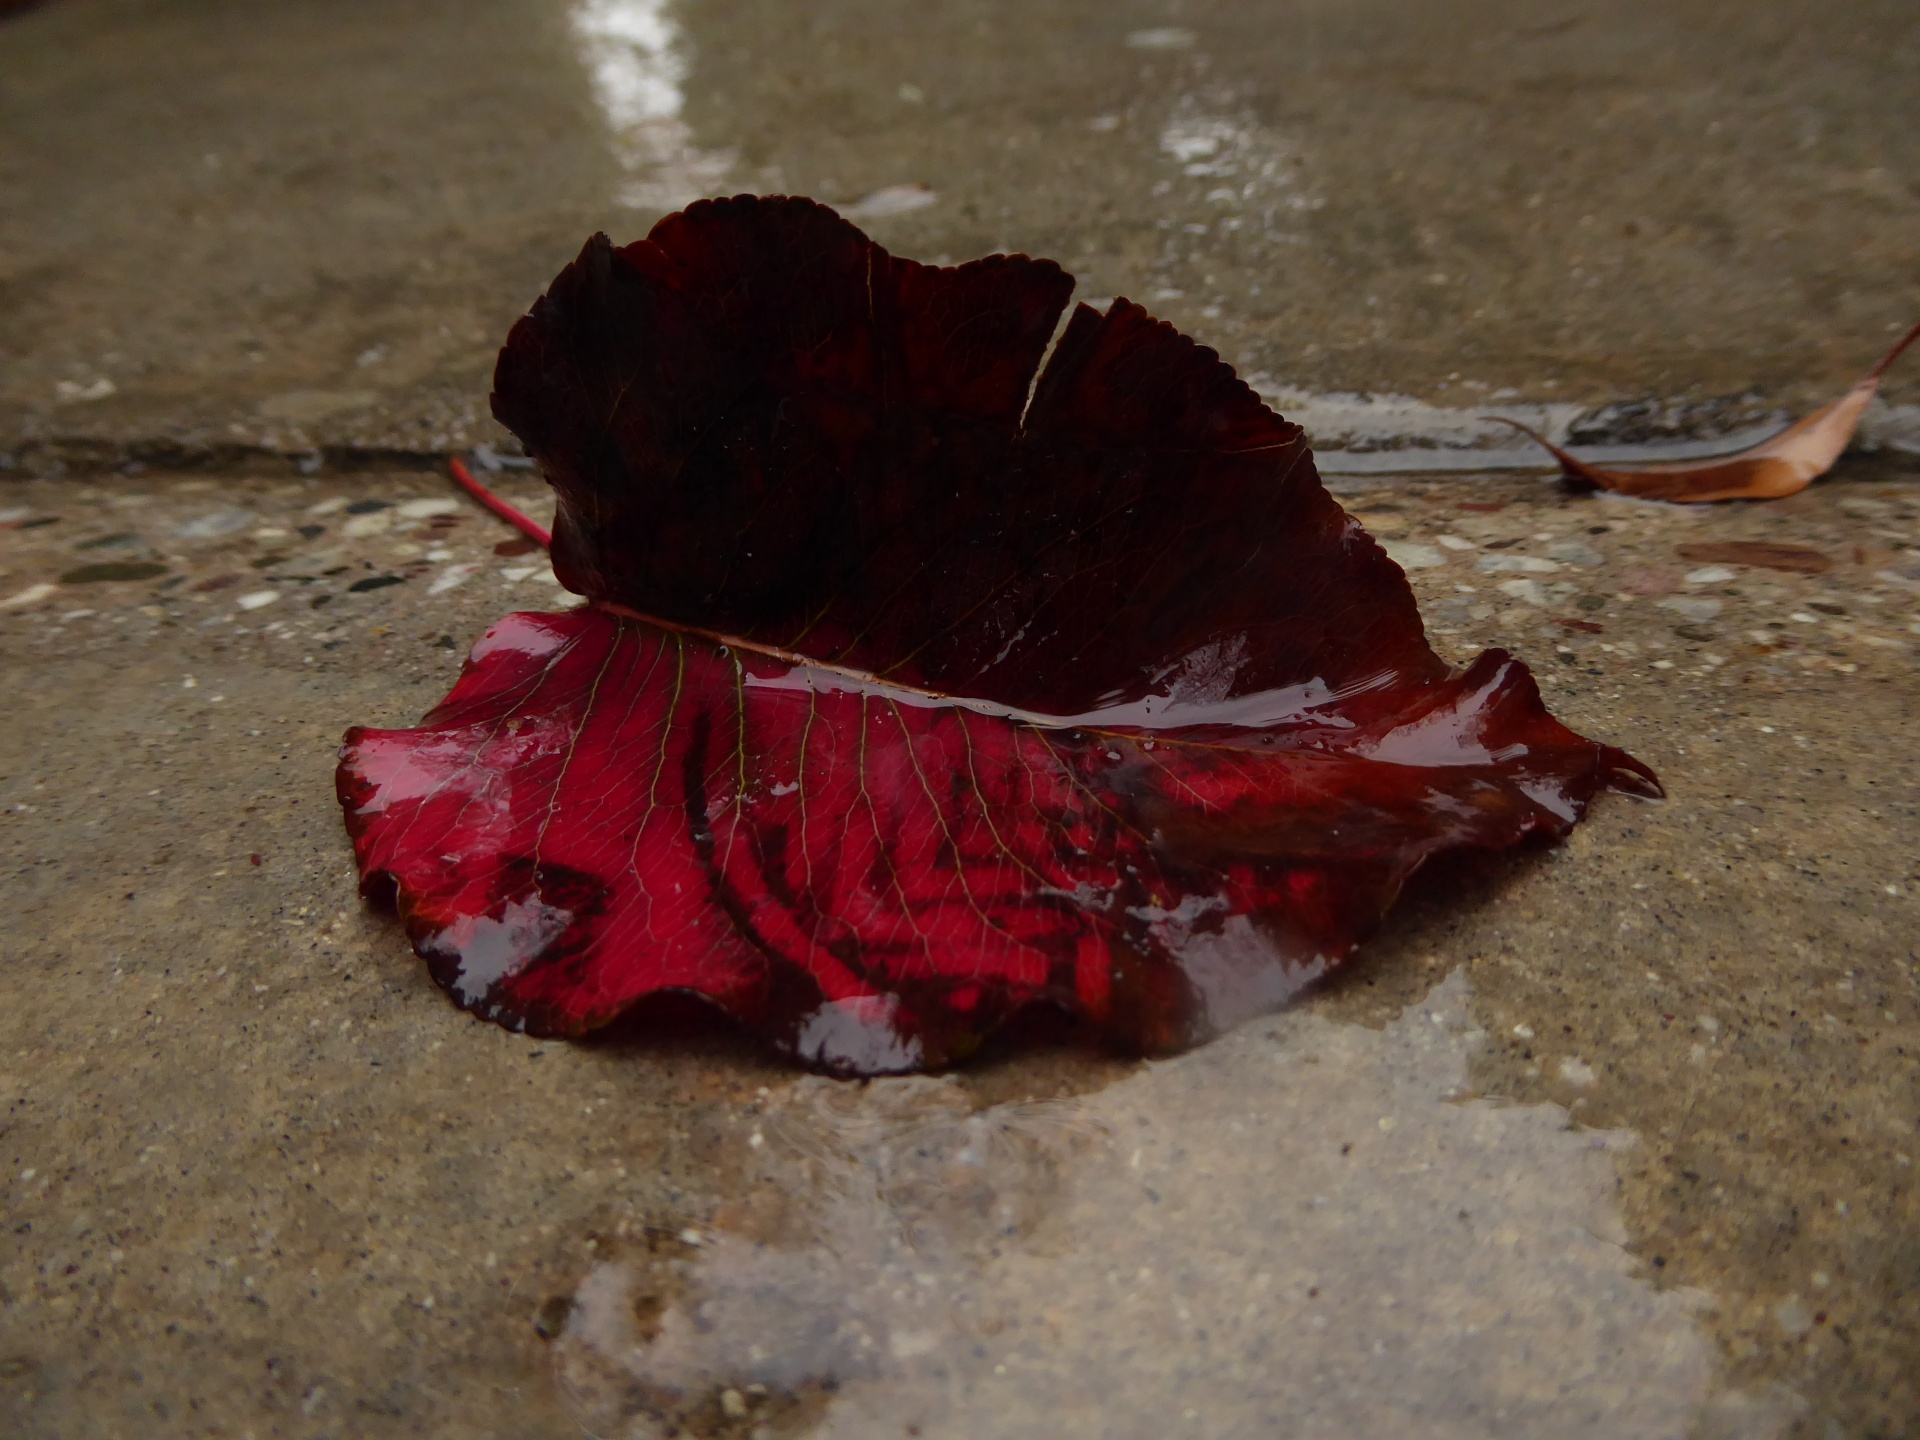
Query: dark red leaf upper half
x=917 y=690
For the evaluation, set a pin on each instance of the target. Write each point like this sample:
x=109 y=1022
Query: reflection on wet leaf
x=920 y=687
x=1296 y=1231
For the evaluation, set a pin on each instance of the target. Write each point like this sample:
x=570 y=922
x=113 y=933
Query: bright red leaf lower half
x=872 y=877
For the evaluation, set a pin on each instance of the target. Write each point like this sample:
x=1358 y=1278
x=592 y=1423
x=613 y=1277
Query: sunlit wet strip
x=636 y=59
x=1297 y=1230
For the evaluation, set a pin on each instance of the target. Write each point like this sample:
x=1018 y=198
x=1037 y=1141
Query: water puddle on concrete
x=1298 y=1230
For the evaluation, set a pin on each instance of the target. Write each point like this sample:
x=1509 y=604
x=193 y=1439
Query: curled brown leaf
x=1777 y=467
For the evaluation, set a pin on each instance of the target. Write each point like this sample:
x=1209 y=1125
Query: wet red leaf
x=905 y=701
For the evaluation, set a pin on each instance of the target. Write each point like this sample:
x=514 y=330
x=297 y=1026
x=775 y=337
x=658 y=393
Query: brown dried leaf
x=1761 y=554
x=1782 y=465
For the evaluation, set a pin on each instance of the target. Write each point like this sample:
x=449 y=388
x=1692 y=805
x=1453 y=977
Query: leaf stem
x=463 y=477
x=1894 y=354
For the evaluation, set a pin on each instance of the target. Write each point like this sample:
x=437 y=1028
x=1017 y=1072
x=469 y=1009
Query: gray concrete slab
x=259 y=1177
x=292 y=226
x=229 y=224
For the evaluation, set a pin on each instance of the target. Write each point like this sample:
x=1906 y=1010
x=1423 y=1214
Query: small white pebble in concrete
x=221 y=522
x=1166 y=37
x=361 y=526
x=517 y=573
x=1527 y=591
x=32 y=595
x=1691 y=607
x=427 y=509
x=1576 y=552
x=1456 y=542
x=1710 y=575
x=1409 y=556
x=1527 y=564
x=1709 y=1024
x=1793 y=1316
x=189 y=683
x=327 y=507
x=1525 y=1032
x=1663 y=664
x=256 y=599
x=891 y=200
x=1576 y=1071
x=452 y=576
x=1821 y=1279
x=1804 y=618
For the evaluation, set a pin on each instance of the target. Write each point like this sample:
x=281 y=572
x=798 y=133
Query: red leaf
x=906 y=702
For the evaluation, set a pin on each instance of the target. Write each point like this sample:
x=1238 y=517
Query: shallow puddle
x=1303 y=1228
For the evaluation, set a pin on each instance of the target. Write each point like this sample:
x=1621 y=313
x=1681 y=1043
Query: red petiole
x=463 y=477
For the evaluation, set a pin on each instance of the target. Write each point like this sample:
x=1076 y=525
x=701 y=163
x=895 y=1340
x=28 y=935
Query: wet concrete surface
x=224 y=224
x=261 y=1177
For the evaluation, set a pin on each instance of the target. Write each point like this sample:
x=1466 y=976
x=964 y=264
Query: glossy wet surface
x=1131 y=1263
x=260 y=1172
x=259 y=1176
x=307 y=229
